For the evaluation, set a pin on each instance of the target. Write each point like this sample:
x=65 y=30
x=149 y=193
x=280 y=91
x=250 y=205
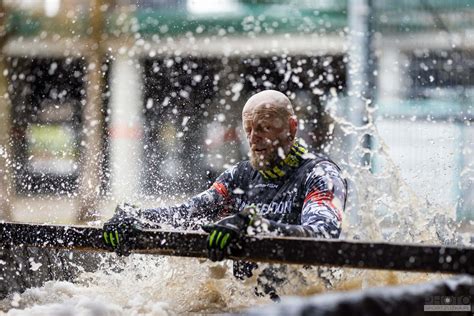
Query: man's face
x=268 y=136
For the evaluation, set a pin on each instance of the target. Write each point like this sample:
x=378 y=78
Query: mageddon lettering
x=283 y=207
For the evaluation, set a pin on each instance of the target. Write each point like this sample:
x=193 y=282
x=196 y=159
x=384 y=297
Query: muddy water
x=145 y=285
x=152 y=285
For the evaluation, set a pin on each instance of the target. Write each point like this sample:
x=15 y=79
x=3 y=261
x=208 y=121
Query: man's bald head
x=272 y=100
x=270 y=124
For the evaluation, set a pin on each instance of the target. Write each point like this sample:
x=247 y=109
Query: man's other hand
x=120 y=232
x=228 y=230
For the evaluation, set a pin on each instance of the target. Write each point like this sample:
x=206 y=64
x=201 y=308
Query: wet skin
x=270 y=134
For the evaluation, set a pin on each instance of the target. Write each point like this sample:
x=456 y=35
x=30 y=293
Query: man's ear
x=293 y=127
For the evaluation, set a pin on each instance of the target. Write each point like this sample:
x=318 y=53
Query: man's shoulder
x=318 y=165
x=238 y=169
x=313 y=160
x=243 y=165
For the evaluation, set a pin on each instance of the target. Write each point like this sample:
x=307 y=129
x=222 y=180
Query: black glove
x=121 y=231
x=227 y=230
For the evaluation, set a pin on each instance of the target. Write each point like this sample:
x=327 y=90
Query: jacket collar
x=292 y=160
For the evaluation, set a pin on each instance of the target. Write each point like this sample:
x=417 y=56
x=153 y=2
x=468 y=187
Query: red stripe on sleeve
x=318 y=196
x=221 y=189
x=323 y=198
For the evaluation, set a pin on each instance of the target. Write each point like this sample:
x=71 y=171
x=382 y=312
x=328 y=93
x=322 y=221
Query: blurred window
x=48 y=95
x=439 y=69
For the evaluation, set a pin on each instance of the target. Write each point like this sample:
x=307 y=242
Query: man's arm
x=199 y=209
x=120 y=230
x=324 y=203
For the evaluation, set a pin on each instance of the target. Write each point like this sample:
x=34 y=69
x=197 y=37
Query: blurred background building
x=115 y=100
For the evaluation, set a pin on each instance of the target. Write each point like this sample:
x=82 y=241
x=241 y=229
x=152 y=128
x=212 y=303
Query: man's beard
x=270 y=157
x=262 y=162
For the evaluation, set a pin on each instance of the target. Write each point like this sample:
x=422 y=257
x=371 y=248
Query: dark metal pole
x=286 y=250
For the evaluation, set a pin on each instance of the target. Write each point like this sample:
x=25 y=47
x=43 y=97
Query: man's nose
x=254 y=137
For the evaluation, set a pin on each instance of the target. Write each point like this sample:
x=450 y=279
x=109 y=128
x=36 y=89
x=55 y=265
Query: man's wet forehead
x=261 y=111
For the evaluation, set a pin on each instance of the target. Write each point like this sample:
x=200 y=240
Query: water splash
x=386 y=208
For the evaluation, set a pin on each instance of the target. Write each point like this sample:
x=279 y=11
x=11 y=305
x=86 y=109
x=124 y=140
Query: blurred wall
x=163 y=55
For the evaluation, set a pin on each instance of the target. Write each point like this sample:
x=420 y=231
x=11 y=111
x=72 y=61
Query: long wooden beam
x=288 y=250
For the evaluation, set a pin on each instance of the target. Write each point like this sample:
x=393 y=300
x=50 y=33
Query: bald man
x=283 y=189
